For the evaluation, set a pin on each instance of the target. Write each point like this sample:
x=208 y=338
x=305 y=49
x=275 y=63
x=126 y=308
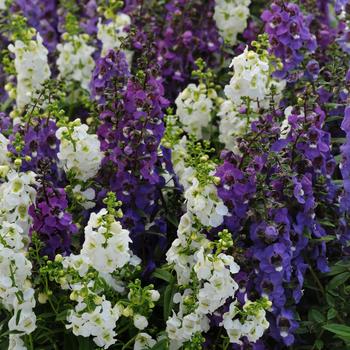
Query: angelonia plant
x=174 y=175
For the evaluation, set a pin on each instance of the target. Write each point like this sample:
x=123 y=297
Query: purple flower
x=289 y=34
x=52 y=222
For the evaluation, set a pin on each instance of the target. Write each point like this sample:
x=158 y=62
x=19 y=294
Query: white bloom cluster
x=214 y=276
x=231 y=18
x=253 y=326
x=106 y=243
x=106 y=249
x=32 y=68
x=4 y=160
x=112 y=33
x=177 y=255
x=204 y=203
x=75 y=62
x=16 y=196
x=194 y=107
x=99 y=323
x=79 y=151
x=192 y=253
x=178 y=155
x=232 y=125
x=2 y=5
x=204 y=271
x=16 y=293
x=202 y=199
x=252 y=79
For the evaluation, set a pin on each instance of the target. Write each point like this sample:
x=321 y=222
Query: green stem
x=129 y=343
x=322 y=290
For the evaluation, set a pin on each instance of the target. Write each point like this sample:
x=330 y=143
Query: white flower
x=4 y=159
x=232 y=125
x=12 y=234
x=16 y=196
x=252 y=327
x=203 y=266
x=2 y=5
x=194 y=108
x=252 y=79
x=99 y=323
x=144 y=341
x=231 y=18
x=173 y=325
x=86 y=196
x=106 y=250
x=80 y=152
x=205 y=204
x=23 y=320
x=285 y=126
x=140 y=322
x=178 y=156
x=32 y=68
x=75 y=62
x=154 y=295
x=112 y=34
x=16 y=342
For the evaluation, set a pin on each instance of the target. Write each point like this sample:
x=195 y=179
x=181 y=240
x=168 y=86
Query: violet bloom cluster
x=41 y=15
x=188 y=34
x=130 y=133
x=40 y=143
x=345 y=164
x=51 y=221
x=289 y=34
x=281 y=197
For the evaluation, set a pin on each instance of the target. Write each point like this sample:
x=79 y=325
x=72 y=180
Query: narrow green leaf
x=319 y=344
x=331 y=313
x=338 y=280
x=316 y=315
x=163 y=275
x=161 y=345
x=338 y=329
x=168 y=301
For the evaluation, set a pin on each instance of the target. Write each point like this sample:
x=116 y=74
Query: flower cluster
x=113 y=33
x=289 y=33
x=79 y=153
x=75 y=62
x=31 y=67
x=16 y=292
x=251 y=84
x=106 y=243
x=130 y=133
x=171 y=177
x=51 y=221
x=17 y=194
x=194 y=107
x=231 y=18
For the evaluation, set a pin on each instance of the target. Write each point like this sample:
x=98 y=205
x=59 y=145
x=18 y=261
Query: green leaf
x=331 y=313
x=85 y=344
x=340 y=140
x=168 y=301
x=62 y=316
x=338 y=280
x=161 y=345
x=163 y=275
x=319 y=344
x=316 y=315
x=337 y=269
x=338 y=329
